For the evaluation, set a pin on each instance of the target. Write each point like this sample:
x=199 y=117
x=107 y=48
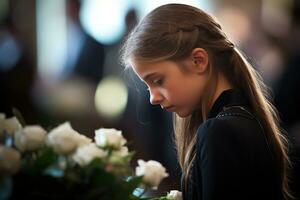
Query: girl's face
x=176 y=88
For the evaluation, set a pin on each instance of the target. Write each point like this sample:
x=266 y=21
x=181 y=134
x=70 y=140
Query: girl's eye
x=157 y=81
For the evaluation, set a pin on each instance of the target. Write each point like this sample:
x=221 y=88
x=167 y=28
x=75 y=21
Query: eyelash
x=157 y=82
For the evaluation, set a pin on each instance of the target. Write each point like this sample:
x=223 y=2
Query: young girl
x=227 y=135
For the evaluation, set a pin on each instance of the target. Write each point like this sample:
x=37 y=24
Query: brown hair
x=171 y=32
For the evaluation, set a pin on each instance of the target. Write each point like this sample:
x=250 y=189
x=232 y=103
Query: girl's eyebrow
x=149 y=75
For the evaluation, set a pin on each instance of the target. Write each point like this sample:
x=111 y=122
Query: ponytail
x=251 y=83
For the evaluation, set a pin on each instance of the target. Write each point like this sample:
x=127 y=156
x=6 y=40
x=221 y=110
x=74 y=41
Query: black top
x=233 y=160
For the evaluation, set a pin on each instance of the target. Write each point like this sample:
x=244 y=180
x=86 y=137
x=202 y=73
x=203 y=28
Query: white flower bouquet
x=64 y=164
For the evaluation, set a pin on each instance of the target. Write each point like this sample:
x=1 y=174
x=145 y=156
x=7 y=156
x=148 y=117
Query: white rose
x=122 y=152
x=30 y=138
x=117 y=157
x=152 y=171
x=82 y=140
x=87 y=153
x=64 y=140
x=109 y=138
x=10 y=160
x=11 y=125
x=174 y=195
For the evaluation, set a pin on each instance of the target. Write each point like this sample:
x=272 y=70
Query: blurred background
x=59 y=61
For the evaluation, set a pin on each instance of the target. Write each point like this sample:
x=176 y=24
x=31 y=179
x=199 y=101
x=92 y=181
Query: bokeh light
x=104 y=20
x=232 y=18
x=51 y=38
x=72 y=97
x=111 y=97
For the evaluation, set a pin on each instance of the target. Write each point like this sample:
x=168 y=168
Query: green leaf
x=45 y=158
x=100 y=177
x=134 y=182
x=96 y=163
x=72 y=176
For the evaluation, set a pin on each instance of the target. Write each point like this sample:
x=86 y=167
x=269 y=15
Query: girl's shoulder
x=232 y=124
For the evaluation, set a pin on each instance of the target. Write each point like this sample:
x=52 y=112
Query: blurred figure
x=85 y=55
x=70 y=93
x=112 y=65
x=288 y=95
x=16 y=69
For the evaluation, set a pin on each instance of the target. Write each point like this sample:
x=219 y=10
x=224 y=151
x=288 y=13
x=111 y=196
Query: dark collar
x=231 y=97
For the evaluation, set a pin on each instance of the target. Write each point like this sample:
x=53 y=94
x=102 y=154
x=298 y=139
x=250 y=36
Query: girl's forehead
x=142 y=69
x=147 y=69
x=159 y=66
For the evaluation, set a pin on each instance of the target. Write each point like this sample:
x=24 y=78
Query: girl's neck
x=222 y=85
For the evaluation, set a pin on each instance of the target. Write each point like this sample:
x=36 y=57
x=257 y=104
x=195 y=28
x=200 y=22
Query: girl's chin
x=183 y=114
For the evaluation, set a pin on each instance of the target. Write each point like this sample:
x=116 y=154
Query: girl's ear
x=199 y=57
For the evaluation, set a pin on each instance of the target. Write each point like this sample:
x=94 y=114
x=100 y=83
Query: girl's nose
x=155 y=97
